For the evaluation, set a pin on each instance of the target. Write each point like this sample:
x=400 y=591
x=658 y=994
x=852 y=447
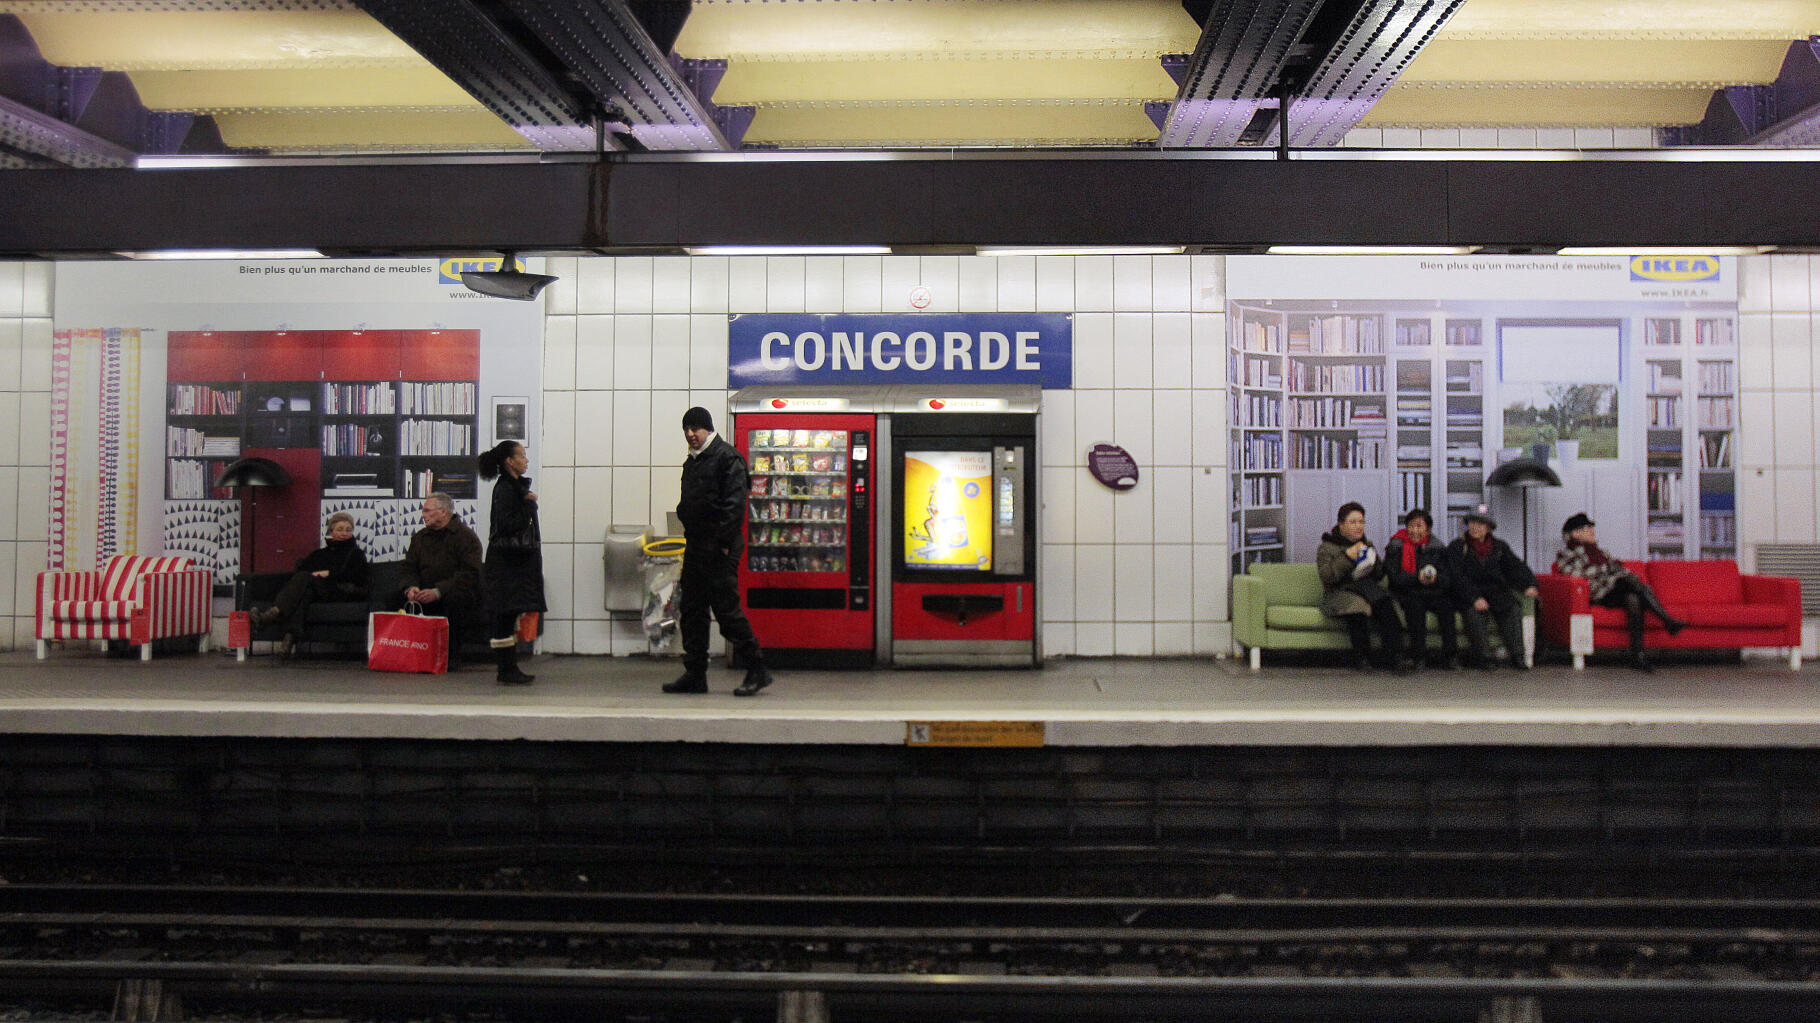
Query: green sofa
x=1278 y=607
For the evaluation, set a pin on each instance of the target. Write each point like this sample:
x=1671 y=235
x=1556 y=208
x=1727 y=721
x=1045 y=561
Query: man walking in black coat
x=713 y=514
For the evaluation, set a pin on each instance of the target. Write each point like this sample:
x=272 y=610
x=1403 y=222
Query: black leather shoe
x=756 y=678
x=687 y=682
x=287 y=647
x=1641 y=663
x=1674 y=626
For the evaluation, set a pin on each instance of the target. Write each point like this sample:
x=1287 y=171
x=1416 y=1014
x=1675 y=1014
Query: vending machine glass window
x=797 y=515
x=948 y=510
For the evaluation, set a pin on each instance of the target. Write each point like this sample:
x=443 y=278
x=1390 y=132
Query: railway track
x=714 y=957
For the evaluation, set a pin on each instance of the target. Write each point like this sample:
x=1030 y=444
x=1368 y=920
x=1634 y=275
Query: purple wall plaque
x=1113 y=466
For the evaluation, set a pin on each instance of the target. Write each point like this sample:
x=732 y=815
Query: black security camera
x=506 y=282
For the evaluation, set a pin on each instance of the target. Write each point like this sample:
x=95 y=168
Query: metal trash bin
x=624 y=566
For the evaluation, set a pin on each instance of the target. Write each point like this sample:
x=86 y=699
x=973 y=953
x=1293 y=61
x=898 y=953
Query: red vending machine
x=963 y=544
x=807 y=576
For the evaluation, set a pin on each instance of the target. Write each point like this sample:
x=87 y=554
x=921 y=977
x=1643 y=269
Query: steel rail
x=918 y=996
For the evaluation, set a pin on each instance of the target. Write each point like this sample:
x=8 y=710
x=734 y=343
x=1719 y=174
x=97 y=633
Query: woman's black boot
x=509 y=675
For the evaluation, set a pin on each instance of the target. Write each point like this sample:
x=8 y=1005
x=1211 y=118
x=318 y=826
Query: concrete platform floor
x=1711 y=701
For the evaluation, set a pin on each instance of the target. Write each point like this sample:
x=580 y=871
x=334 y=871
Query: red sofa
x=1722 y=607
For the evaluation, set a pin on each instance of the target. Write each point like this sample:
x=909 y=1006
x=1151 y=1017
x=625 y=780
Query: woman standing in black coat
x=511 y=580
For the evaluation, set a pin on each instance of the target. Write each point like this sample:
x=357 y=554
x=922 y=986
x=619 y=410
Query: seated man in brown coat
x=441 y=570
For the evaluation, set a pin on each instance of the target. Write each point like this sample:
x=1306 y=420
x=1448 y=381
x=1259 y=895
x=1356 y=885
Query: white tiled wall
x=634 y=341
x=630 y=343
x=25 y=424
x=1779 y=417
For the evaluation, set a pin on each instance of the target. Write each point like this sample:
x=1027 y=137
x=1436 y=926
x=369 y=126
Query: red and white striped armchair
x=131 y=597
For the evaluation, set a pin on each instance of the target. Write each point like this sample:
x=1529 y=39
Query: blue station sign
x=900 y=348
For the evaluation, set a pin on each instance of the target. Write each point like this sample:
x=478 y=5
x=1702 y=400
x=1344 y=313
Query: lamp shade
x=1523 y=472
x=253 y=472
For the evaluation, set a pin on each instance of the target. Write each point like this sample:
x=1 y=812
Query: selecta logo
x=937 y=403
x=779 y=403
x=449 y=271
x=1674 y=269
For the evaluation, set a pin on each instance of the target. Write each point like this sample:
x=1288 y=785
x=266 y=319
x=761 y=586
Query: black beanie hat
x=698 y=418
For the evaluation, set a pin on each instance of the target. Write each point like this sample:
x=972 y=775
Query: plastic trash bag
x=663 y=586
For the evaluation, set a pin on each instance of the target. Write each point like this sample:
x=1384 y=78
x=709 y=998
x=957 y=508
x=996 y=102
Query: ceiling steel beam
x=29 y=135
x=1784 y=113
x=667 y=204
x=500 y=68
x=1352 y=74
x=608 y=49
x=82 y=116
x=1244 y=48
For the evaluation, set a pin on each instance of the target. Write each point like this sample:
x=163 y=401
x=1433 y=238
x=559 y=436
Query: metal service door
x=807 y=575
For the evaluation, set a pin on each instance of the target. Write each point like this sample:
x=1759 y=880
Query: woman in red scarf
x=1416 y=563
x=1486 y=574
x=1610 y=584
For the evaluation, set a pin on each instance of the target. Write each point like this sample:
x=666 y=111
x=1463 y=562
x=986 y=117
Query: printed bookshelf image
x=1335 y=334
x=1713 y=332
x=350 y=415
x=1661 y=331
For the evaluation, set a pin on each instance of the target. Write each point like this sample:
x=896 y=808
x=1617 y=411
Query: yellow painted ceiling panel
x=232 y=40
x=836 y=30
x=1713 y=63
x=214 y=91
x=1634 y=19
x=1469 y=106
x=370 y=131
x=1034 y=124
x=1135 y=78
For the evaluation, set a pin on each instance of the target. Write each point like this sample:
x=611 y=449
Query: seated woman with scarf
x=1610 y=584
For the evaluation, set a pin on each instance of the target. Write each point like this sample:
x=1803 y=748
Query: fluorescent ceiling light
x=224 y=254
x=1666 y=250
x=788 y=250
x=1080 y=250
x=1372 y=250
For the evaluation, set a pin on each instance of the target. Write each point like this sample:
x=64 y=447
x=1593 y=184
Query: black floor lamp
x=254 y=473
x=1526 y=474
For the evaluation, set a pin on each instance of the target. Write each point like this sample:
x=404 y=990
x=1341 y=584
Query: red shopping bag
x=402 y=641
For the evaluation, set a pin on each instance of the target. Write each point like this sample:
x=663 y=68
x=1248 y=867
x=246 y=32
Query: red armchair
x=1722 y=607
x=131 y=597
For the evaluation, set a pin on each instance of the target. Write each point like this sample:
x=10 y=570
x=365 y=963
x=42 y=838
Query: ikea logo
x=449 y=271
x=1674 y=268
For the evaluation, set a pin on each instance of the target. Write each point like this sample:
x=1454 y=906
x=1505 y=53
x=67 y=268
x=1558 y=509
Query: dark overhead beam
x=668 y=204
x=500 y=70
x=1352 y=75
x=1243 y=51
x=337 y=208
x=625 y=70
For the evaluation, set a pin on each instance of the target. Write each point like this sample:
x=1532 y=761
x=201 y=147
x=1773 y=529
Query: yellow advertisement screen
x=948 y=509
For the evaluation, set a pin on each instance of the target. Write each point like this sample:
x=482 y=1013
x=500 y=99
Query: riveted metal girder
x=603 y=43
x=37 y=140
x=1378 y=44
x=1786 y=112
x=1244 y=47
x=496 y=66
x=77 y=117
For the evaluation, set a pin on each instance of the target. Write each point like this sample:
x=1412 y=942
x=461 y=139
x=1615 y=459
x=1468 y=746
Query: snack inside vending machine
x=891 y=525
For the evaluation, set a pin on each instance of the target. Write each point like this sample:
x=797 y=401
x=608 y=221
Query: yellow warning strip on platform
x=973 y=733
